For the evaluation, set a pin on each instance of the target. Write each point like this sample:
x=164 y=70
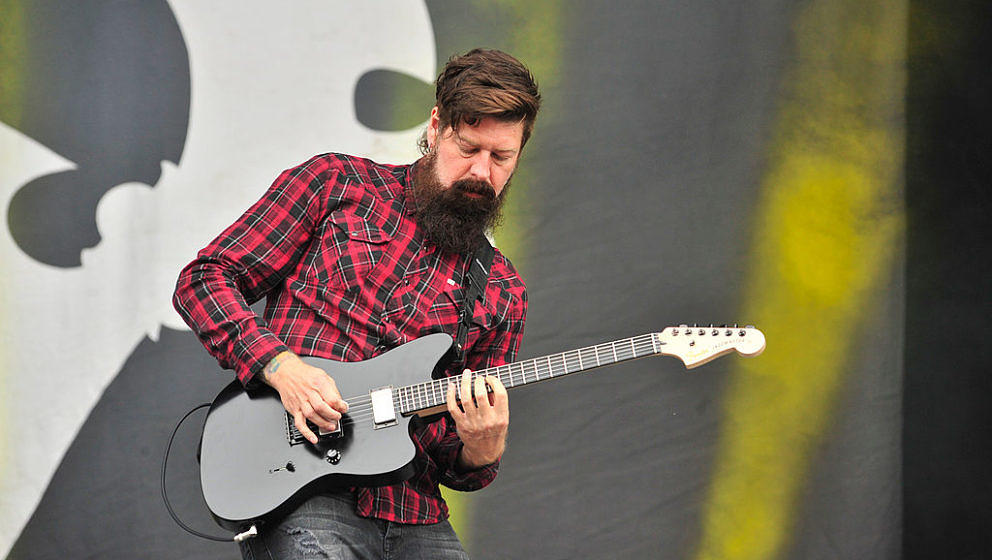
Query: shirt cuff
x=254 y=355
x=468 y=480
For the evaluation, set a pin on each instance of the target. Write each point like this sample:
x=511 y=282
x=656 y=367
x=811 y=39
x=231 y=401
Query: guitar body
x=252 y=470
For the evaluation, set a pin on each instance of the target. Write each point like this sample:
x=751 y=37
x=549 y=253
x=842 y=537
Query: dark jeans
x=326 y=526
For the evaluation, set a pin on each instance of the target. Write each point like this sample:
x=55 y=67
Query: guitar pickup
x=383 y=411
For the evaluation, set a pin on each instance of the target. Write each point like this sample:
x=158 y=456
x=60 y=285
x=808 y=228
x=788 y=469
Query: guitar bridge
x=294 y=437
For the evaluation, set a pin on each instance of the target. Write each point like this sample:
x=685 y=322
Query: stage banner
x=707 y=163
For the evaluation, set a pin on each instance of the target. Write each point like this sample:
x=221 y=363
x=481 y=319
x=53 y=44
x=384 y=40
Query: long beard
x=454 y=218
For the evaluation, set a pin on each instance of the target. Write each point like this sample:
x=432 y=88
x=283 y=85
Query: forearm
x=476 y=457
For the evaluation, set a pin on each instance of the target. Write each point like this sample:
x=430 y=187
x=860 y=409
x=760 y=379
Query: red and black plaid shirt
x=347 y=275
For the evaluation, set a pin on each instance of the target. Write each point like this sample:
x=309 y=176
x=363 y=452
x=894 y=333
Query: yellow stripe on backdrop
x=828 y=229
x=12 y=51
x=534 y=37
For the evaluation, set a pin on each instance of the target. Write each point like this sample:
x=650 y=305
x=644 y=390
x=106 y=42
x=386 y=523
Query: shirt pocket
x=351 y=250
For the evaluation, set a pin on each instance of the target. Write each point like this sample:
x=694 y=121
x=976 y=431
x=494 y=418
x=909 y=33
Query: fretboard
x=421 y=396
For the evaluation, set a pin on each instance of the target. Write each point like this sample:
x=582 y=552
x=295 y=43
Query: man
x=355 y=258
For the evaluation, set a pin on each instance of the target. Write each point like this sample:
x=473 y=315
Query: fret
x=614 y=348
x=551 y=372
x=633 y=350
x=578 y=366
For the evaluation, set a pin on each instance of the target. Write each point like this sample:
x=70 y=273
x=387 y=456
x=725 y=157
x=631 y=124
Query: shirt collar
x=411 y=200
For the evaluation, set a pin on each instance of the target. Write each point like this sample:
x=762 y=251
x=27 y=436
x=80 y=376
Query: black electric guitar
x=255 y=466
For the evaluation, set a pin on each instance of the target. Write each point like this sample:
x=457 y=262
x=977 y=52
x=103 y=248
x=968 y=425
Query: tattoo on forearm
x=272 y=367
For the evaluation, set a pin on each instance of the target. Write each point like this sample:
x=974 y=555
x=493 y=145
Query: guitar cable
x=165 y=497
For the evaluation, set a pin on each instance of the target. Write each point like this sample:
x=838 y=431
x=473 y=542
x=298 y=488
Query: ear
x=432 y=128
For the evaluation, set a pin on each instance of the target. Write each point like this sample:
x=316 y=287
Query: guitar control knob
x=332 y=456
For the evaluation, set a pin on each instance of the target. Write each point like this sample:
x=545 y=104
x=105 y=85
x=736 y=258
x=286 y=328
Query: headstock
x=695 y=345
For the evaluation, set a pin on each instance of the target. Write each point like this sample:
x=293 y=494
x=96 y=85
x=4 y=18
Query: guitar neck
x=432 y=394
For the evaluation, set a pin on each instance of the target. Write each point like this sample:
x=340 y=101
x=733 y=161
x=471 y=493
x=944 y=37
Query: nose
x=479 y=168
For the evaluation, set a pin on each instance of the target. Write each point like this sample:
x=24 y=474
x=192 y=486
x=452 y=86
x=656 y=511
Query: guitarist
x=356 y=257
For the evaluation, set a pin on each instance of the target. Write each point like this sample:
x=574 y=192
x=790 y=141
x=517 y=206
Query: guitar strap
x=475 y=288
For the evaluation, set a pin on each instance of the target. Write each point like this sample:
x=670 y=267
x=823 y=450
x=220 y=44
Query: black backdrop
x=947 y=422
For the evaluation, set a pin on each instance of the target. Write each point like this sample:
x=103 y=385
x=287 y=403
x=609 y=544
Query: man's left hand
x=481 y=419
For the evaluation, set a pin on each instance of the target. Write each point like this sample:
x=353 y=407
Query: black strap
x=475 y=288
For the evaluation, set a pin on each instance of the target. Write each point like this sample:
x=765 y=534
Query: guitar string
x=507 y=374
x=360 y=407
x=417 y=391
x=645 y=349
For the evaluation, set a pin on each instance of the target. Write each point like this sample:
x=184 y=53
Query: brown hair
x=485 y=83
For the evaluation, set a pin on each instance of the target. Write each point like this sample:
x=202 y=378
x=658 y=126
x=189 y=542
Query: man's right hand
x=307 y=392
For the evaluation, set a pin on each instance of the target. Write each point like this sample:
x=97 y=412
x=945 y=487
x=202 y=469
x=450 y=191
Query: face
x=459 y=183
x=487 y=151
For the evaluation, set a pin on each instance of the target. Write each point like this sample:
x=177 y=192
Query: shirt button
x=384 y=317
